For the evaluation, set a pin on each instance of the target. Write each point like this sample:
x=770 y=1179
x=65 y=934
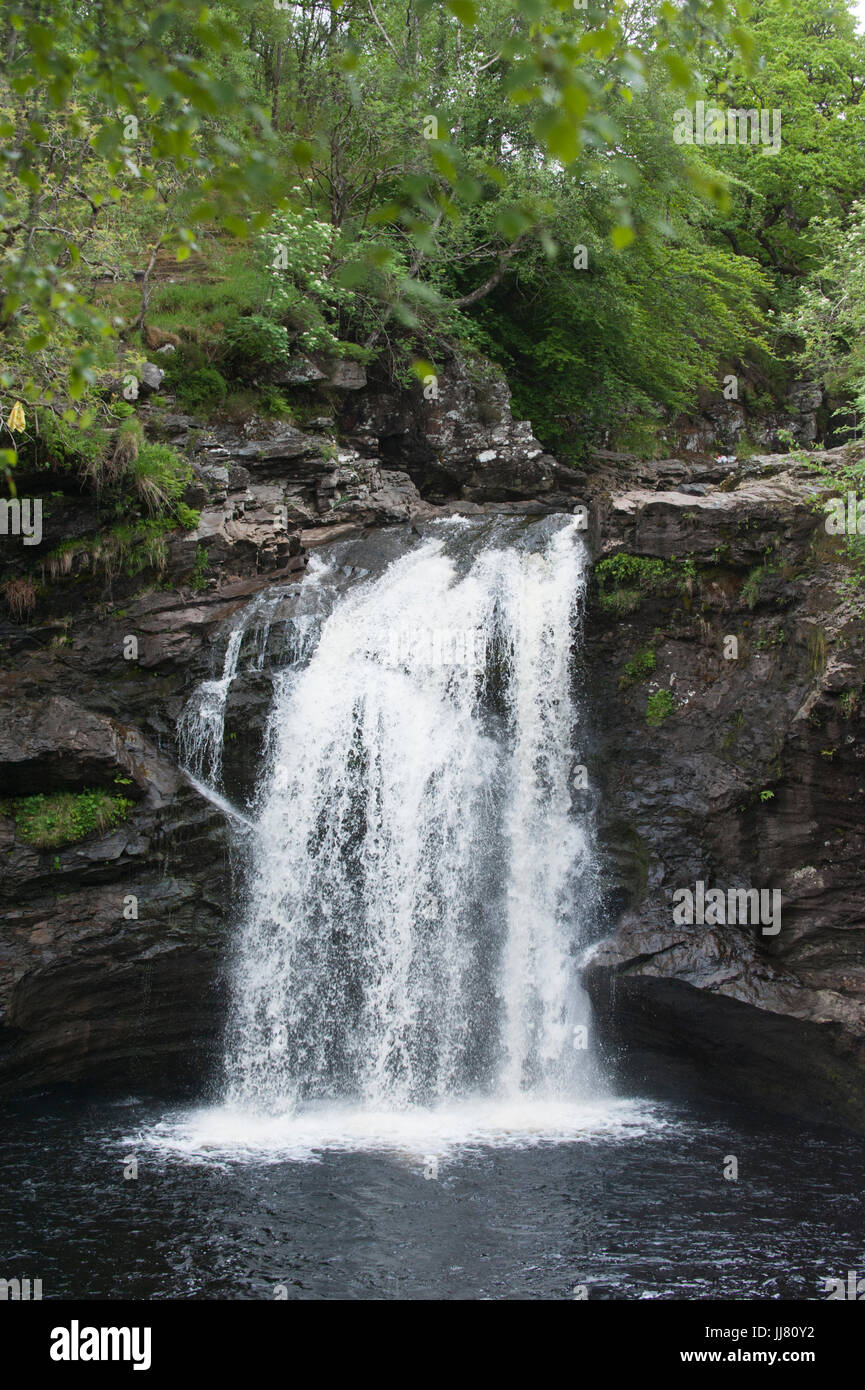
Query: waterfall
x=201 y=727
x=421 y=882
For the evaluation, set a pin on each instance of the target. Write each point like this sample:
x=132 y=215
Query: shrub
x=298 y=252
x=133 y=548
x=642 y=571
x=625 y=580
x=186 y=517
x=236 y=288
x=105 y=468
x=252 y=343
x=839 y=479
x=641 y=665
x=199 y=389
x=159 y=477
x=658 y=707
x=127 y=441
x=754 y=582
x=273 y=402
x=129 y=546
x=68 y=448
x=200 y=570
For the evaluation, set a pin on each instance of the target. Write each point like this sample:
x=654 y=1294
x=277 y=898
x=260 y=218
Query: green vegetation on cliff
x=61 y=818
x=659 y=707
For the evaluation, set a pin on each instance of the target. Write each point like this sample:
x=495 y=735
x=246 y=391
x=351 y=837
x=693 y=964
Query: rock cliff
x=747 y=772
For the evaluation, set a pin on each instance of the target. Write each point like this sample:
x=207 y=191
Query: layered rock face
x=114 y=948
x=727 y=424
x=754 y=777
x=111 y=947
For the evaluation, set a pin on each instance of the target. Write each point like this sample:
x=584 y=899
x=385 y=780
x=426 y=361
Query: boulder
x=150 y=378
x=347 y=376
x=51 y=744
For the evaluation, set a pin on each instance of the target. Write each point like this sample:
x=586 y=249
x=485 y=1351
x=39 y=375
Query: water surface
x=635 y=1206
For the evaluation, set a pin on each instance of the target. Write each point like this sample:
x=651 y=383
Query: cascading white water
x=202 y=724
x=420 y=881
x=201 y=727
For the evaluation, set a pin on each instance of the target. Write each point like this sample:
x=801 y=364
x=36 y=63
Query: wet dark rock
x=756 y=779
x=727 y=424
x=51 y=744
x=110 y=960
x=246 y=714
x=300 y=371
x=167 y=424
x=290 y=444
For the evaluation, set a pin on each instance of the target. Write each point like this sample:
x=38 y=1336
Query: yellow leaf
x=16 y=419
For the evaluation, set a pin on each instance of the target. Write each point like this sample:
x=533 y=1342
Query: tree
x=830 y=315
x=810 y=68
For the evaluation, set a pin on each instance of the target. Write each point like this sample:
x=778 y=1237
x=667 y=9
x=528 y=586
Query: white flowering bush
x=299 y=251
x=830 y=315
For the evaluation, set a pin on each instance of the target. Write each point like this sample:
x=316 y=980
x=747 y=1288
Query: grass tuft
x=61 y=818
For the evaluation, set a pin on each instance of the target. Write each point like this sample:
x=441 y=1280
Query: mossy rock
x=62 y=818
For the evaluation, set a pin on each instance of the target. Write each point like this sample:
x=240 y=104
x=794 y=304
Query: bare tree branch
x=384 y=33
x=489 y=285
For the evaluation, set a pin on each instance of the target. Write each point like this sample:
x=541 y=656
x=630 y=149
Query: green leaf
x=236 y=226
x=302 y=153
x=560 y=136
x=463 y=10
x=468 y=190
x=678 y=69
x=512 y=222
x=443 y=163
x=352 y=274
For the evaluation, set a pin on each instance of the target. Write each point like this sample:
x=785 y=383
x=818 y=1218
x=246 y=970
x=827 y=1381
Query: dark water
x=646 y=1215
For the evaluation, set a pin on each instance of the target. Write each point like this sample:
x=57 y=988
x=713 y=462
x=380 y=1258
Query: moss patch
x=658 y=707
x=641 y=665
x=61 y=818
x=625 y=580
